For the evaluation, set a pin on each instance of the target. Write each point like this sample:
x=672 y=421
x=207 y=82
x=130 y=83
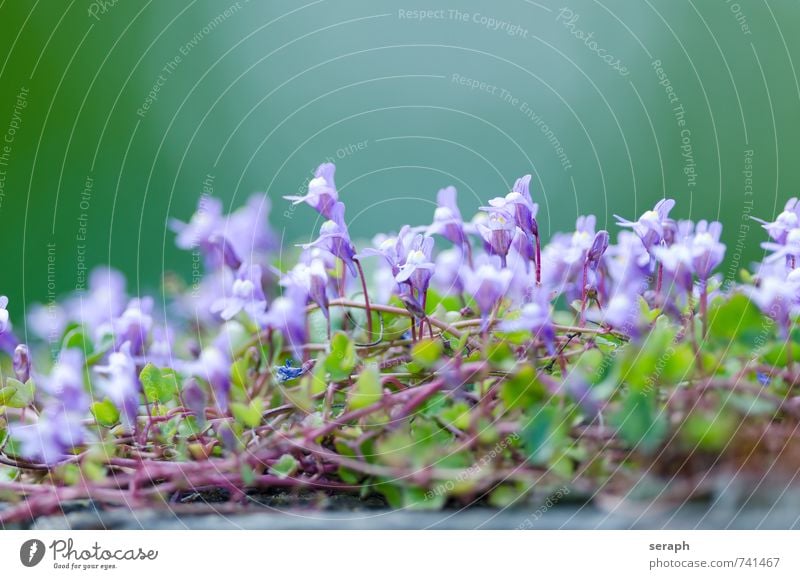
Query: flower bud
x=22 y=363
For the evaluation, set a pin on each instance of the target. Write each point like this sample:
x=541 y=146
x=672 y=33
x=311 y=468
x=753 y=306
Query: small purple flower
x=205 y=223
x=597 y=250
x=447 y=273
x=4 y=323
x=707 y=251
x=51 y=438
x=195 y=400
x=418 y=267
x=627 y=261
x=519 y=203
x=653 y=226
x=777 y=298
x=120 y=382
x=214 y=367
x=788 y=219
x=322 y=194
x=310 y=279
x=65 y=382
x=392 y=249
x=535 y=317
x=678 y=261
x=287 y=314
x=498 y=231
x=22 y=363
x=696 y=251
x=622 y=312
x=591 y=267
x=447 y=220
x=334 y=237
x=789 y=249
x=104 y=301
x=159 y=353
x=247 y=229
x=246 y=294
x=487 y=285
x=134 y=325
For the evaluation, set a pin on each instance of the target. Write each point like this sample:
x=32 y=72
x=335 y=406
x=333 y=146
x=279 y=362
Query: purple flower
x=594 y=255
x=707 y=251
x=206 y=231
x=246 y=294
x=622 y=312
x=134 y=325
x=597 y=250
x=777 y=298
x=418 y=267
x=104 y=301
x=22 y=363
x=120 y=383
x=696 y=251
x=195 y=400
x=653 y=226
x=447 y=220
x=498 y=231
x=322 y=194
x=159 y=352
x=447 y=273
x=204 y=224
x=678 y=261
x=627 y=261
x=65 y=382
x=287 y=314
x=788 y=219
x=789 y=249
x=519 y=203
x=392 y=249
x=310 y=279
x=487 y=285
x=214 y=366
x=50 y=439
x=535 y=317
x=247 y=229
x=4 y=323
x=333 y=237
x=565 y=257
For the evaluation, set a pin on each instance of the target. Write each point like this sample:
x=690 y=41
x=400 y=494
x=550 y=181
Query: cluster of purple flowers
x=496 y=264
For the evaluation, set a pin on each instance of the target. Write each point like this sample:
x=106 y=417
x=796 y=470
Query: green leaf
x=523 y=390
x=638 y=421
x=158 y=385
x=105 y=413
x=710 y=433
x=500 y=356
x=248 y=475
x=285 y=467
x=735 y=319
x=319 y=378
x=76 y=338
x=457 y=415
x=545 y=434
x=679 y=365
x=249 y=415
x=427 y=353
x=367 y=389
x=15 y=394
x=342 y=359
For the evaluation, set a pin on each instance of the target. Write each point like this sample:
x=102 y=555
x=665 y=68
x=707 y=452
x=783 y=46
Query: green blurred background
x=251 y=96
